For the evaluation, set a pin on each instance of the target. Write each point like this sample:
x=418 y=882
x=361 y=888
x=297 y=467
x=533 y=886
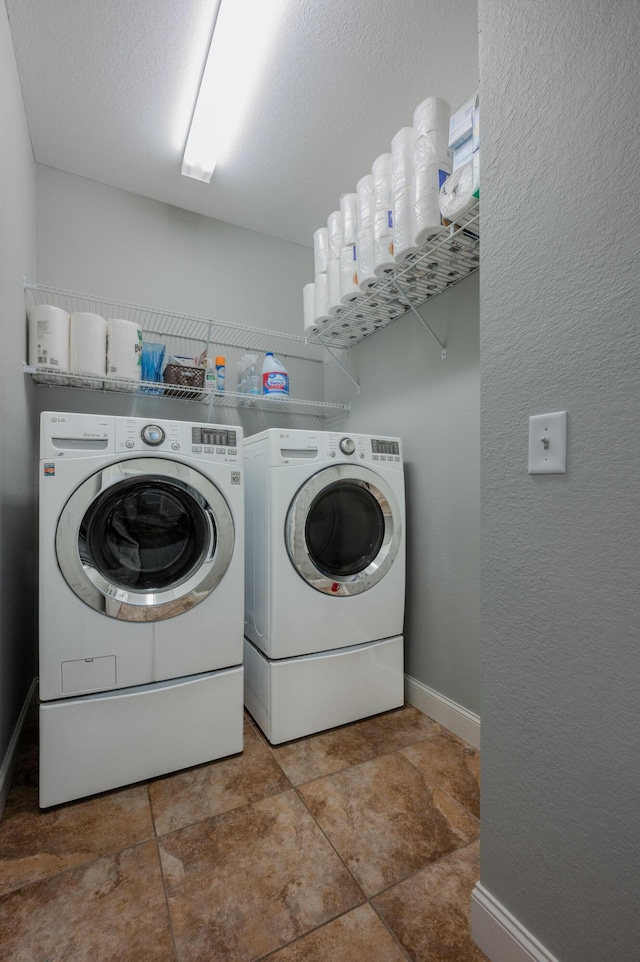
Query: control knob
x=152 y=434
x=347 y=446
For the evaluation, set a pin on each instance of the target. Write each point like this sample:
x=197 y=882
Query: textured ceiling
x=108 y=88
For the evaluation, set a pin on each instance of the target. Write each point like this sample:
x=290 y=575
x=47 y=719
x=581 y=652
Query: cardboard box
x=461 y=122
x=462 y=153
x=475 y=125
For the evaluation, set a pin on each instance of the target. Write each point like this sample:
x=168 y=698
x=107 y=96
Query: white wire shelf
x=157 y=323
x=450 y=256
x=188 y=335
x=226 y=399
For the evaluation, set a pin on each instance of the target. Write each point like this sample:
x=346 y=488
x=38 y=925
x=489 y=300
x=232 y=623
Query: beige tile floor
x=355 y=845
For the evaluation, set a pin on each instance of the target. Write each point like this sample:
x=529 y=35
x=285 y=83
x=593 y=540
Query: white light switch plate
x=548 y=443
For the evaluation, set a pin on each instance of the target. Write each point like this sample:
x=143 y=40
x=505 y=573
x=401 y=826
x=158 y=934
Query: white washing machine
x=141 y=599
x=324 y=579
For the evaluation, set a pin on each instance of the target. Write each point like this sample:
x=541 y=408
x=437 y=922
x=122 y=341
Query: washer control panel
x=210 y=442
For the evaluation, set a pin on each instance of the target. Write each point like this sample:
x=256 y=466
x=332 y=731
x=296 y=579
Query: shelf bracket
x=443 y=347
x=340 y=364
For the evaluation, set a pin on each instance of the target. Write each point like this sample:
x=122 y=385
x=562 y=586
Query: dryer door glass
x=147 y=535
x=345 y=529
x=145 y=539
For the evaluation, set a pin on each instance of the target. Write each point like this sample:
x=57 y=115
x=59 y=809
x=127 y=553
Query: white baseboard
x=447 y=713
x=9 y=761
x=499 y=933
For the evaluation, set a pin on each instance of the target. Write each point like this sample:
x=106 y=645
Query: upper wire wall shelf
x=450 y=256
x=188 y=335
x=189 y=327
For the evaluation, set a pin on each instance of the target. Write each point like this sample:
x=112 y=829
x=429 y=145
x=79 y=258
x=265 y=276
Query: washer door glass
x=145 y=534
x=343 y=530
x=145 y=539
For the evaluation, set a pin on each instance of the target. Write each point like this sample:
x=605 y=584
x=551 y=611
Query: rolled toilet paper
x=364 y=243
x=124 y=354
x=334 y=230
x=87 y=348
x=349 y=211
x=456 y=194
x=349 y=289
x=431 y=117
x=320 y=250
x=321 y=300
x=402 y=146
x=334 y=235
x=426 y=153
x=383 y=259
x=404 y=224
x=335 y=305
x=307 y=307
x=404 y=215
x=49 y=342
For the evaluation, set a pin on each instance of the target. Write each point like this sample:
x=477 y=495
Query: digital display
x=385 y=447
x=213 y=436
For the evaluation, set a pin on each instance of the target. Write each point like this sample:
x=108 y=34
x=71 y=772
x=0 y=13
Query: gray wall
x=112 y=243
x=560 y=305
x=17 y=473
x=107 y=242
x=407 y=389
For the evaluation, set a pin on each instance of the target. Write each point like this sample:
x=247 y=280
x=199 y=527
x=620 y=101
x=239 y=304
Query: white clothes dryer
x=141 y=599
x=324 y=579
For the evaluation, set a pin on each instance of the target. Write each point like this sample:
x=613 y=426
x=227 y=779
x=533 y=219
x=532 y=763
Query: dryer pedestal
x=292 y=697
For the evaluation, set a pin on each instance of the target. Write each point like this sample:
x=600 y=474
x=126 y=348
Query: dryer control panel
x=327 y=447
x=362 y=448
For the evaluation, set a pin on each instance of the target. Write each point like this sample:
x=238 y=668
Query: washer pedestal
x=99 y=742
x=292 y=697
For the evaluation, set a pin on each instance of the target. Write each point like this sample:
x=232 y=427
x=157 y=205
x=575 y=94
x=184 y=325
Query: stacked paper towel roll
x=456 y=194
x=124 y=353
x=320 y=250
x=349 y=289
x=404 y=215
x=364 y=242
x=383 y=259
x=87 y=348
x=321 y=287
x=334 y=232
x=396 y=210
x=321 y=300
x=308 y=294
x=432 y=163
x=49 y=340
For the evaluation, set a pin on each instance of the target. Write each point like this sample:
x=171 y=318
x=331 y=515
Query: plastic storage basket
x=188 y=381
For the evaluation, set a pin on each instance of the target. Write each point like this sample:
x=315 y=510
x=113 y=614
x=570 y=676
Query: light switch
x=548 y=443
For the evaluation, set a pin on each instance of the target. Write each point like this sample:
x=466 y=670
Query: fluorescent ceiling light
x=242 y=35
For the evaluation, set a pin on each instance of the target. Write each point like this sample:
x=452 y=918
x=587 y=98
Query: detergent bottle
x=275 y=379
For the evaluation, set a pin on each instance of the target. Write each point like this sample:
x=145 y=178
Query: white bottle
x=241 y=375
x=275 y=379
x=253 y=375
x=210 y=375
